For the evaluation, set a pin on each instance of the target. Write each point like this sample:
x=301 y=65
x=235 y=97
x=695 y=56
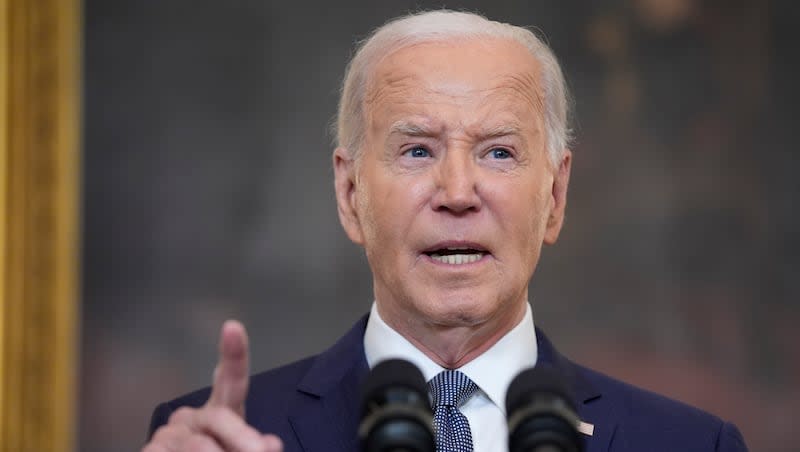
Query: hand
x=219 y=425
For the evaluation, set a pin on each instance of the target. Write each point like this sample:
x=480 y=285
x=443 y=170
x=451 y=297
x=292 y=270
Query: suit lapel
x=592 y=408
x=325 y=412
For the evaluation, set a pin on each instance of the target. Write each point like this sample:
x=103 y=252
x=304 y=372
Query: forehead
x=483 y=76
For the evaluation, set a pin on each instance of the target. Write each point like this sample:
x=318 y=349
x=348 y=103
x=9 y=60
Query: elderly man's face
x=454 y=194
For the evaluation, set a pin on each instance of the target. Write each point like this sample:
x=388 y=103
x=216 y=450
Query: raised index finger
x=231 y=376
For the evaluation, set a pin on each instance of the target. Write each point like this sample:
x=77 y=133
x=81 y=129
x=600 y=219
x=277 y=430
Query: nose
x=456 y=184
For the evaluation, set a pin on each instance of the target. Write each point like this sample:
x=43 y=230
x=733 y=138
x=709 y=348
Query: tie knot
x=451 y=388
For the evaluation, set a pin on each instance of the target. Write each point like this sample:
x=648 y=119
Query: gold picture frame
x=39 y=234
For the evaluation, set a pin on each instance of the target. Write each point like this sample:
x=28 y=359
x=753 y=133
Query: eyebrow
x=418 y=130
x=499 y=131
x=411 y=129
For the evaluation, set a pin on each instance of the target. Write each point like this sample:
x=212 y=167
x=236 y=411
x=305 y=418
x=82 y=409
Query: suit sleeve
x=730 y=439
x=160 y=417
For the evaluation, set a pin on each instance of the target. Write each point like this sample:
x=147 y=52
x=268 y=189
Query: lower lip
x=468 y=265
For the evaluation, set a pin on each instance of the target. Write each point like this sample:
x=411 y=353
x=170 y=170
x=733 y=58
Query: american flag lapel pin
x=586 y=428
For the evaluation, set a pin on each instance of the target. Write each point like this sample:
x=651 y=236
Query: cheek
x=524 y=211
x=366 y=214
x=384 y=208
x=540 y=212
x=401 y=199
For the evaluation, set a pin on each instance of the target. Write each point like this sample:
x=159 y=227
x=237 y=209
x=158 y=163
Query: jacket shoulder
x=647 y=419
x=632 y=400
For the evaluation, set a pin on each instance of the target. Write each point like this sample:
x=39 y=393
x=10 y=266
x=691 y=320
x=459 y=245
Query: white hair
x=444 y=25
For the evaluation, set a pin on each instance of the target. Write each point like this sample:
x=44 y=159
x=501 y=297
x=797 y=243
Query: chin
x=454 y=310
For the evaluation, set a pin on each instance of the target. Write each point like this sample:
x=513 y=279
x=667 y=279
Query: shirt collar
x=492 y=371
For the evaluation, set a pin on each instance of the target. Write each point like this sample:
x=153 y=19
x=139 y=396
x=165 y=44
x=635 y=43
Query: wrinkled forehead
x=470 y=70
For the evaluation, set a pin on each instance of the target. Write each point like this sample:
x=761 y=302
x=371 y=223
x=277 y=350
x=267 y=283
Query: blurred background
x=208 y=195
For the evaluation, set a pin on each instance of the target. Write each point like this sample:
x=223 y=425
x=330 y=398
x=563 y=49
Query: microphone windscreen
x=542 y=379
x=541 y=413
x=387 y=376
x=395 y=410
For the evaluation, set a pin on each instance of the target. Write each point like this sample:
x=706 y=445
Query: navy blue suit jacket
x=312 y=405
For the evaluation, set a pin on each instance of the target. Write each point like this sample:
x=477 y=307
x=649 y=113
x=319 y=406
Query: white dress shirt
x=492 y=371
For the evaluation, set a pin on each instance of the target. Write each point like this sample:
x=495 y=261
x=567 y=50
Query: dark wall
x=208 y=195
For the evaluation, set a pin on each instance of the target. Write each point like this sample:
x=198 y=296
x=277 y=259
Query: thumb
x=232 y=374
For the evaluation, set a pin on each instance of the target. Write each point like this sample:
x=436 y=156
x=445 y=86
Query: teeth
x=457 y=259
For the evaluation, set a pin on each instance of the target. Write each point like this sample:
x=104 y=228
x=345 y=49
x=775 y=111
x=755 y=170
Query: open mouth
x=456 y=255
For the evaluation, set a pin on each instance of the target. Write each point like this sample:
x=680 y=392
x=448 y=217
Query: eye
x=417 y=152
x=500 y=153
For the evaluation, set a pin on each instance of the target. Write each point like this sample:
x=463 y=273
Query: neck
x=453 y=346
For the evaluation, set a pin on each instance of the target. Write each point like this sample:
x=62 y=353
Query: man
x=451 y=171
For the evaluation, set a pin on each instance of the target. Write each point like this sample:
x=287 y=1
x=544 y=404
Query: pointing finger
x=227 y=429
x=272 y=443
x=231 y=376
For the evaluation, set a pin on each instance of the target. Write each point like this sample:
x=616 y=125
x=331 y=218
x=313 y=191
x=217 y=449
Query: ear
x=345 y=180
x=559 y=193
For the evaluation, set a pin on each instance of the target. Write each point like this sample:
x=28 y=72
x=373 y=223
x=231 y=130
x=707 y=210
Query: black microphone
x=396 y=414
x=541 y=413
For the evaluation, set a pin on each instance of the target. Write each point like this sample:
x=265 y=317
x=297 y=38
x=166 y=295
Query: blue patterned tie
x=450 y=389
